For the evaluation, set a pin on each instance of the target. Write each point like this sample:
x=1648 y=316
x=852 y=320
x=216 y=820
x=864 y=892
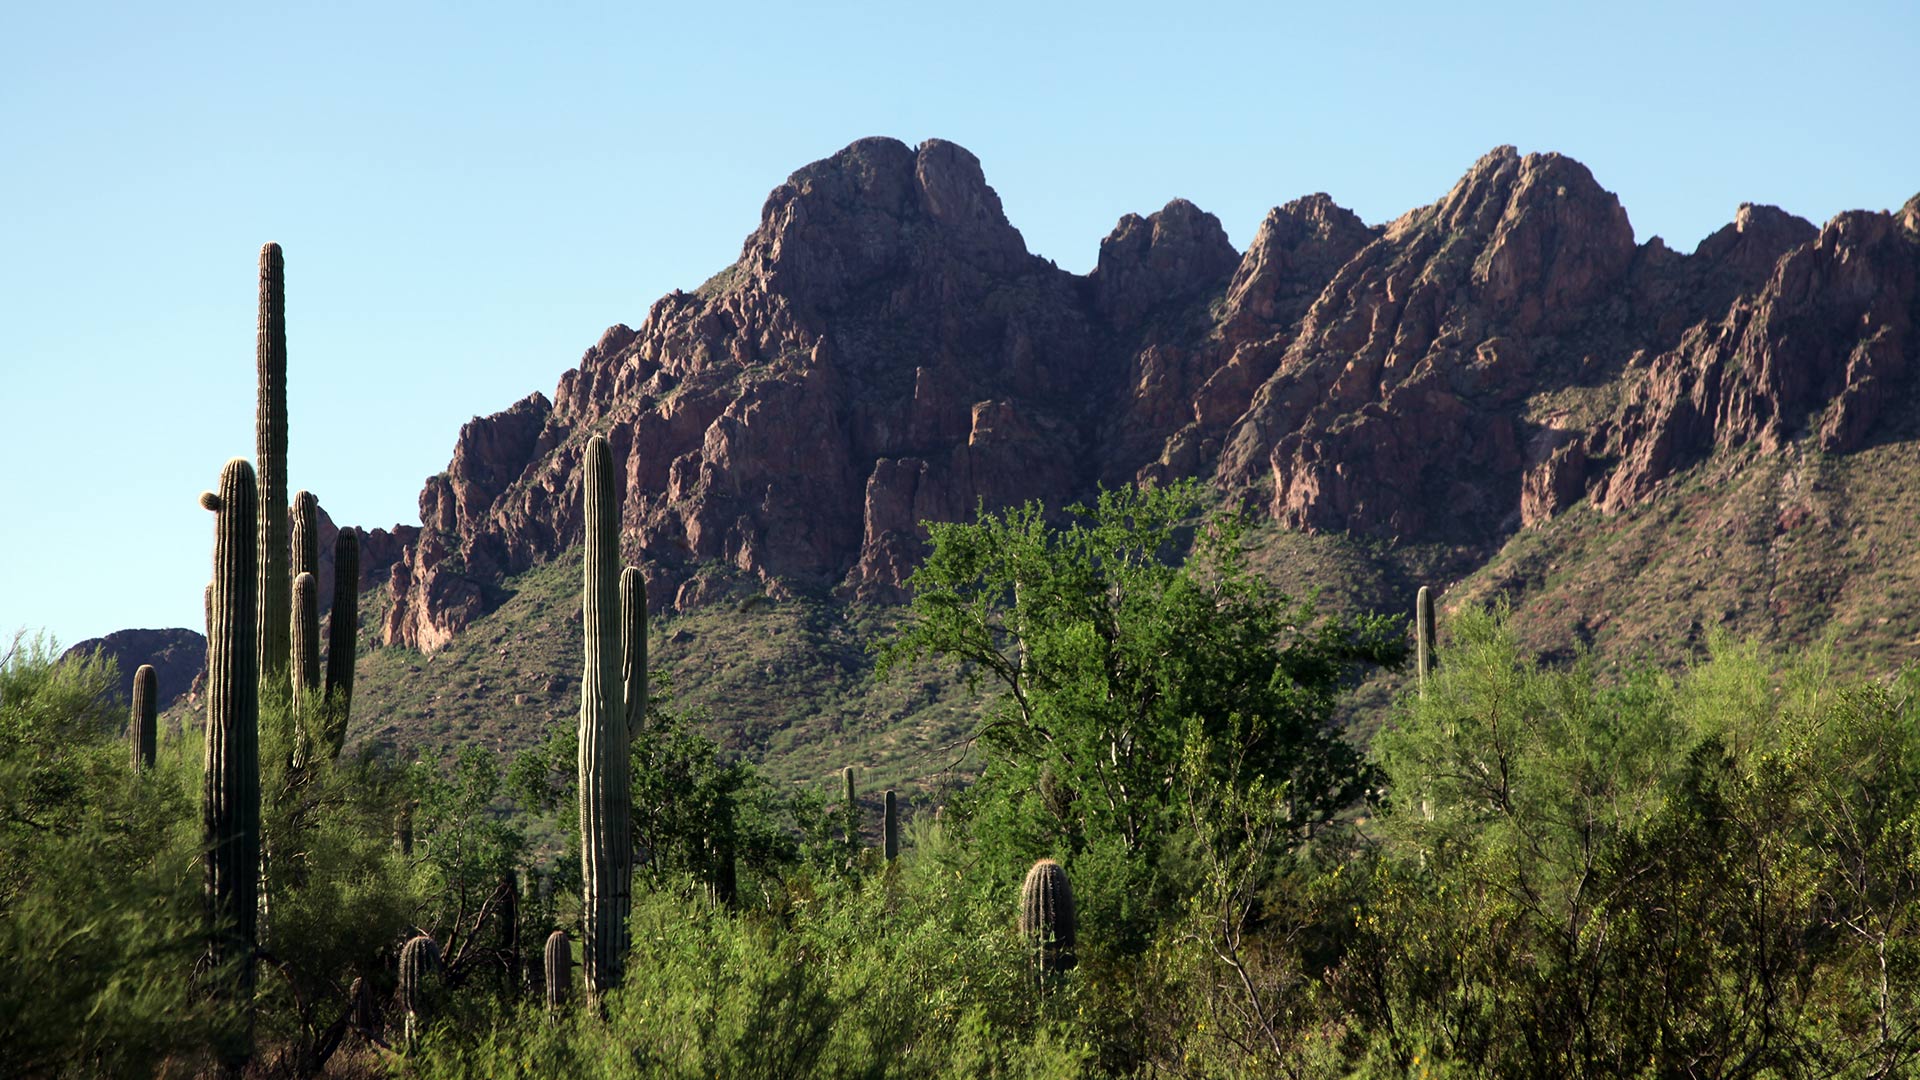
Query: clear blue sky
x=468 y=194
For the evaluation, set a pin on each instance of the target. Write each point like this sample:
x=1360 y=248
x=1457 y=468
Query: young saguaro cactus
x=559 y=970
x=231 y=800
x=343 y=629
x=1046 y=915
x=851 y=812
x=508 y=894
x=1423 y=643
x=143 y=726
x=419 y=963
x=274 y=594
x=306 y=639
x=606 y=847
x=890 y=829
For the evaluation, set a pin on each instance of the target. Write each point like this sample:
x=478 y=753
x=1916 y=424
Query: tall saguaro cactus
x=606 y=847
x=142 y=730
x=633 y=647
x=1423 y=644
x=231 y=803
x=274 y=596
x=1046 y=915
x=343 y=631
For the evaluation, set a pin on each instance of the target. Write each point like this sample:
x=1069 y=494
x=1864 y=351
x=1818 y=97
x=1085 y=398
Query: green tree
x=1117 y=638
x=100 y=922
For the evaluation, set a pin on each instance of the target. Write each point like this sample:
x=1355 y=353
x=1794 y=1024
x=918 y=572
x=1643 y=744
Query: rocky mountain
x=886 y=351
x=178 y=658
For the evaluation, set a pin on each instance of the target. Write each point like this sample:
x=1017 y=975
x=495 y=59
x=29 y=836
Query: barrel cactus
x=343 y=628
x=275 y=582
x=419 y=964
x=143 y=725
x=633 y=647
x=606 y=847
x=231 y=798
x=1046 y=915
x=559 y=970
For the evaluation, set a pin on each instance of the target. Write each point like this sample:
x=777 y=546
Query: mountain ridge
x=886 y=350
x=1478 y=394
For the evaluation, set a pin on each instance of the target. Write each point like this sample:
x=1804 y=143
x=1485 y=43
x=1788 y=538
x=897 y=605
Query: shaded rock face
x=177 y=656
x=885 y=351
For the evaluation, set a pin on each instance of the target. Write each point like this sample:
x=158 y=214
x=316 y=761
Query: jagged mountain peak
x=886 y=352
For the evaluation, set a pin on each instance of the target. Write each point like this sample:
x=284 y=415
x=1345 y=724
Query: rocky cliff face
x=886 y=351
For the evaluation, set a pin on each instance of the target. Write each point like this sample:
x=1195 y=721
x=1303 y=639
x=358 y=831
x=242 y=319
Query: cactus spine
x=343 y=630
x=1423 y=644
x=633 y=647
x=143 y=726
x=306 y=641
x=270 y=450
x=419 y=960
x=890 y=829
x=231 y=803
x=559 y=964
x=1046 y=915
x=606 y=848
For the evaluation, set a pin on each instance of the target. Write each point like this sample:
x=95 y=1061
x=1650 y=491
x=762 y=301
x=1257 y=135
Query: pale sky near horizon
x=468 y=194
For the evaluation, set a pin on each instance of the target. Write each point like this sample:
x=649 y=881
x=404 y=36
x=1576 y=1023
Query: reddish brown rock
x=885 y=351
x=1171 y=256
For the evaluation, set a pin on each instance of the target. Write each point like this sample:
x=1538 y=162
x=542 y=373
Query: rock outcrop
x=885 y=351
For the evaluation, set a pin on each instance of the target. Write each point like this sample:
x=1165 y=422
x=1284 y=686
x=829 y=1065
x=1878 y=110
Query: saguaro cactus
x=890 y=829
x=606 y=848
x=343 y=629
x=509 y=914
x=1423 y=644
x=231 y=803
x=851 y=812
x=633 y=647
x=419 y=963
x=559 y=970
x=274 y=597
x=365 y=1007
x=306 y=639
x=306 y=534
x=1046 y=915
x=142 y=726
